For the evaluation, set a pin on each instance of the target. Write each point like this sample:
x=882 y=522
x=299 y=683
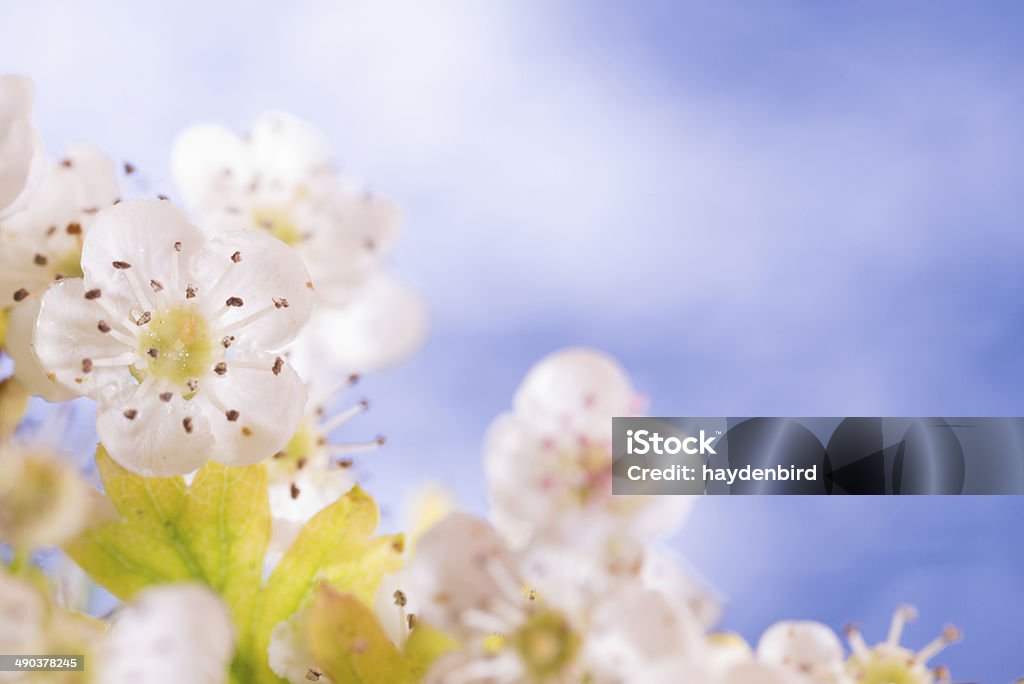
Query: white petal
x=205 y=160
x=143 y=234
x=801 y=645
x=22 y=158
x=18 y=270
x=266 y=271
x=753 y=672
x=460 y=564
x=22 y=612
x=161 y=439
x=166 y=635
x=384 y=324
x=288 y=149
x=18 y=343
x=67 y=333
x=576 y=389
x=269 y=405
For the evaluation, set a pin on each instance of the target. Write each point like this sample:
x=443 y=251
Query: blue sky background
x=762 y=208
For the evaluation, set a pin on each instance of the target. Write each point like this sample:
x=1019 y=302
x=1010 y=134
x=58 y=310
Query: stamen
x=103 y=327
x=121 y=265
x=187 y=424
x=166 y=396
x=410 y=620
x=400 y=601
x=345 y=416
x=130 y=414
x=190 y=291
x=949 y=635
x=134 y=284
x=234 y=301
x=221 y=368
x=236 y=257
x=356 y=448
x=156 y=285
x=243 y=322
x=313 y=675
x=280 y=303
x=227 y=341
x=294 y=490
x=74 y=228
x=145 y=318
x=86 y=365
x=113 y=361
x=154 y=352
x=903 y=614
x=40 y=260
x=857 y=643
x=93 y=294
x=278 y=365
x=21 y=294
x=231 y=415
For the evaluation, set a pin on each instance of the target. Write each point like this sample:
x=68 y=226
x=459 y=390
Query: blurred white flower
x=168 y=634
x=22 y=156
x=173 y=334
x=311 y=471
x=549 y=462
x=806 y=648
x=43 y=243
x=43 y=500
x=288 y=653
x=891 y=662
x=22 y=618
x=519 y=624
x=280 y=178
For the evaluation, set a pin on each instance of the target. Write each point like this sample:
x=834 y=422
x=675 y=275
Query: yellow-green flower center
x=68 y=265
x=279 y=223
x=886 y=670
x=546 y=644
x=299 y=449
x=178 y=345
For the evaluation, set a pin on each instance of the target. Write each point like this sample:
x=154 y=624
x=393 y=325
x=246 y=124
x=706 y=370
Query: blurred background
x=761 y=208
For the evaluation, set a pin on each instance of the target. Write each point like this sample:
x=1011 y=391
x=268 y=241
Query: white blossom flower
x=22 y=617
x=804 y=647
x=540 y=624
x=288 y=653
x=549 y=461
x=21 y=149
x=891 y=662
x=43 y=500
x=42 y=243
x=312 y=471
x=280 y=178
x=173 y=334
x=168 y=634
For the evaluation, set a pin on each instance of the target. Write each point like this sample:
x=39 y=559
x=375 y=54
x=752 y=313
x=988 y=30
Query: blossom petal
x=22 y=158
x=269 y=402
x=169 y=634
x=18 y=345
x=576 y=389
x=287 y=149
x=152 y=237
x=152 y=437
x=205 y=159
x=459 y=566
x=68 y=342
x=383 y=325
x=801 y=645
x=257 y=273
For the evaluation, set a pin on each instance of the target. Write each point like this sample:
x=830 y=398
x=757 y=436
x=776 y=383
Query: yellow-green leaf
x=360 y=573
x=424 y=646
x=337 y=534
x=13 y=403
x=349 y=645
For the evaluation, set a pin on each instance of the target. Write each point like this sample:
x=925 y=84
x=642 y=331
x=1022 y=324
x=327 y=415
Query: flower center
x=882 y=670
x=279 y=223
x=546 y=643
x=296 y=453
x=69 y=265
x=178 y=345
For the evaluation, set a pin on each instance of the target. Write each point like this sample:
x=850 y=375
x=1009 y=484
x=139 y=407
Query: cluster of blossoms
x=212 y=344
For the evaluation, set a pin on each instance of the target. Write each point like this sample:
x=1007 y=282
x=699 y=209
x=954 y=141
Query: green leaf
x=349 y=645
x=424 y=646
x=332 y=545
x=215 y=532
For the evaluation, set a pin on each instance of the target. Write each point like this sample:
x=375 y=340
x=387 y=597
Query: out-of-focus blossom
x=517 y=626
x=168 y=634
x=312 y=471
x=891 y=662
x=280 y=178
x=549 y=462
x=22 y=157
x=809 y=649
x=173 y=333
x=43 y=243
x=43 y=500
x=289 y=655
